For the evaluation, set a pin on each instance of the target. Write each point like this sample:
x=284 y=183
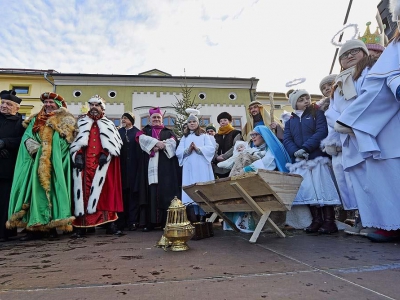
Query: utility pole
x=341 y=35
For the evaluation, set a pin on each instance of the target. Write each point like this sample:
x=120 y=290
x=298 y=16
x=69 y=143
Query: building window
x=205 y=121
x=22 y=90
x=232 y=96
x=202 y=96
x=117 y=121
x=169 y=122
x=144 y=121
x=77 y=93
x=112 y=94
x=237 y=123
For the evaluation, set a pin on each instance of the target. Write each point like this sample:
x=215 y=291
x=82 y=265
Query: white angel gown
x=196 y=166
x=375 y=120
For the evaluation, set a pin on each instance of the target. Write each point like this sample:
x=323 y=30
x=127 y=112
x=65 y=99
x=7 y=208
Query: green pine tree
x=180 y=108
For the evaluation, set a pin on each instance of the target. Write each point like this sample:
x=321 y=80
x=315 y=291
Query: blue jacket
x=305 y=133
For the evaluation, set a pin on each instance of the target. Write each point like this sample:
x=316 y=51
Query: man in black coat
x=160 y=177
x=11 y=131
x=129 y=160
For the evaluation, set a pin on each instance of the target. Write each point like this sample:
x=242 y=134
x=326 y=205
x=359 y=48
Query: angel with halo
x=195 y=152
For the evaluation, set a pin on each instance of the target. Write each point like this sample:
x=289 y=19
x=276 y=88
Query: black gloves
x=79 y=163
x=4 y=153
x=102 y=160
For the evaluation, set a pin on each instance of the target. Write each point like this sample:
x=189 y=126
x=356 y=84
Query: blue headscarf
x=276 y=147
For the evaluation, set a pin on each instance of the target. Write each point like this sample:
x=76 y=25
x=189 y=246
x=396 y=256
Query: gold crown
x=372 y=38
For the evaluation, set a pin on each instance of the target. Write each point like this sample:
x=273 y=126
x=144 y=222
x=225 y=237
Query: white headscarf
x=245 y=144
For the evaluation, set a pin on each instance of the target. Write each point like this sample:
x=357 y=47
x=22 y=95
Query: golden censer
x=178 y=229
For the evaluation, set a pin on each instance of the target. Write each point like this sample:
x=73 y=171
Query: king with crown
x=96 y=173
x=159 y=172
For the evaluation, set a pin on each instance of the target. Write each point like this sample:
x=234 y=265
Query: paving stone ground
x=225 y=266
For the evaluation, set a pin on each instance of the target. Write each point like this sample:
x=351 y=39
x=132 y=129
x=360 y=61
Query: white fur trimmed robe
x=94 y=138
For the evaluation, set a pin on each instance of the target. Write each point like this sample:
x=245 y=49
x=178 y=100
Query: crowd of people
x=65 y=174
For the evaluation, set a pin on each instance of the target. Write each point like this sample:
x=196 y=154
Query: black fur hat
x=224 y=115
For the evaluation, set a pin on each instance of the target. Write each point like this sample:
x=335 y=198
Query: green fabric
x=58 y=102
x=26 y=187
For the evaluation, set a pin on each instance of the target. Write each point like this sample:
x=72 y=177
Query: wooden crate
x=262 y=192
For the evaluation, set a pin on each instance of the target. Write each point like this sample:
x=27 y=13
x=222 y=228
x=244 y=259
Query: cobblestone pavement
x=225 y=266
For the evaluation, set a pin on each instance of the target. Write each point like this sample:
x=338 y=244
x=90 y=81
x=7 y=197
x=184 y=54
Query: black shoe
x=133 y=227
x=313 y=228
x=30 y=236
x=147 y=229
x=53 y=233
x=2 y=240
x=78 y=233
x=113 y=229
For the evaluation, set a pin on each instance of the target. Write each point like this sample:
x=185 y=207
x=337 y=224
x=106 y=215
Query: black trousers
x=130 y=215
x=5 y=191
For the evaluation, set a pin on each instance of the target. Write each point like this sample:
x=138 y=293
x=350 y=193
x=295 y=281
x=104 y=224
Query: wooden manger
x=261 y=192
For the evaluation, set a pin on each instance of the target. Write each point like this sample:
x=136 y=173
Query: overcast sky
x=275 y=41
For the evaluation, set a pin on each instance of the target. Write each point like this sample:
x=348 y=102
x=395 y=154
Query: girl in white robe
x=374 y=120
x=195 y=152
x=347 y=160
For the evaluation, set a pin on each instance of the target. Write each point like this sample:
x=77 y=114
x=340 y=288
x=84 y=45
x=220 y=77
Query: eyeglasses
x=253 y=135
x=347 y=53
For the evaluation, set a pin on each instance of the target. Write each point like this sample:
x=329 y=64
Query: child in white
x=194 y=153
x=240 y=147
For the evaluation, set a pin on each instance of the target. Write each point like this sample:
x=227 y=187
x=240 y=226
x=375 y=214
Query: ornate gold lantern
x=178 y=229
x=163 y=242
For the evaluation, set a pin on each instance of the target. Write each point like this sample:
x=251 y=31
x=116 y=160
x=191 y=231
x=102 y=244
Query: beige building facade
x=138 y=93
x=29 y=84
